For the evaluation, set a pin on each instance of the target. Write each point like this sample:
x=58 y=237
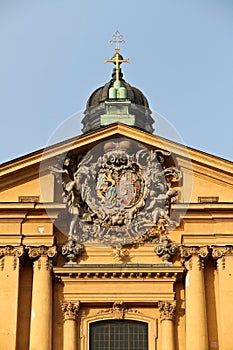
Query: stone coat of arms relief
x=119 y=193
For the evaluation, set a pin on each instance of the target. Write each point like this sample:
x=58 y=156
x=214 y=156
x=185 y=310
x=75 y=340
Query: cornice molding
x=171 y=273
x=33 y=160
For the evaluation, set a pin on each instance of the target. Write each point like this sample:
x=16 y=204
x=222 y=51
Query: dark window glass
x=119 y=335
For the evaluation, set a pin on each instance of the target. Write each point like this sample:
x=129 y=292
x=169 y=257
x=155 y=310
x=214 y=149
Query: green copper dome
x=102 y=93
x=117 y=101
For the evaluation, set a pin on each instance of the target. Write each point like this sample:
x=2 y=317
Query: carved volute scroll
x=11 y=251
x=14 y=252
x=167 y=310
x=188 y=252
x=36 y=253
x=70 y=310
x=220 y=253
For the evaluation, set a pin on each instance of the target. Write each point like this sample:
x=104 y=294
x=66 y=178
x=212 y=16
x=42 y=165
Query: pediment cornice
x=28 y=166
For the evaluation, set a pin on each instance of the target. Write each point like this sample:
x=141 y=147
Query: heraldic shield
x=117 y=192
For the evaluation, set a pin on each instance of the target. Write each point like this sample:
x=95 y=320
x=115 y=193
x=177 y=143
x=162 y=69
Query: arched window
x=119 y=335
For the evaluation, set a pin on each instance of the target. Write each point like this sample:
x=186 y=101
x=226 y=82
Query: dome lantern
x=117 y=101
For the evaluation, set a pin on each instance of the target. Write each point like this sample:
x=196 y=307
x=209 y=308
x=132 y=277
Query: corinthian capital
x=187 y=252
x=70 y=310
x=37 y=252
x=11 y=251
x=167 y=310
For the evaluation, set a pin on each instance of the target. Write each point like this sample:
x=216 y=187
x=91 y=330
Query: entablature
x=138 y=271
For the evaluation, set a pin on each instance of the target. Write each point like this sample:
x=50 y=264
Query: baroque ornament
x=71 y=250
x=37 y=252
x=165 y=249
x=221 y=251
x=187 y=252
x=117 y=310
x=15 y=252
x=11 y=251
x=120 y=253
x=70 y=310
x=167 y=310
x=117 y=192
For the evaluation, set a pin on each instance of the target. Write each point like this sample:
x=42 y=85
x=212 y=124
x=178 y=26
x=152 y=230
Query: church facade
x=116 y=239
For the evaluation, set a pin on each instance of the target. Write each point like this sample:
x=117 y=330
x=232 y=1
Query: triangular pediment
x=211 y=175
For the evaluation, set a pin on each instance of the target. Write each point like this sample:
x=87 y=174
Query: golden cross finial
x=117 y=59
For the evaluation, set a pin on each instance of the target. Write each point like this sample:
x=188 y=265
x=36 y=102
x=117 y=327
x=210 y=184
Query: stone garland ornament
x=118 y=193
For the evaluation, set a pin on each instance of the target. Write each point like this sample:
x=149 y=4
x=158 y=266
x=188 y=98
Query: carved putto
x=117 y=192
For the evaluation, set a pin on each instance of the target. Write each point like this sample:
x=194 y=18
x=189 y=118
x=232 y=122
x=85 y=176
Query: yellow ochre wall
x=187 y=304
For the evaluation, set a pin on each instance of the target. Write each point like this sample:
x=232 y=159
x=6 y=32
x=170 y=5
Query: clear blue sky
x=52 y=54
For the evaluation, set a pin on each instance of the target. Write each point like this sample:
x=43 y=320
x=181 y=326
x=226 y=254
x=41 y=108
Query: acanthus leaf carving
x=70 y=310
x=167 y=310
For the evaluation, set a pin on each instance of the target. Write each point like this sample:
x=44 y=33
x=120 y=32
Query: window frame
x=85 y=325
x=115 y=325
